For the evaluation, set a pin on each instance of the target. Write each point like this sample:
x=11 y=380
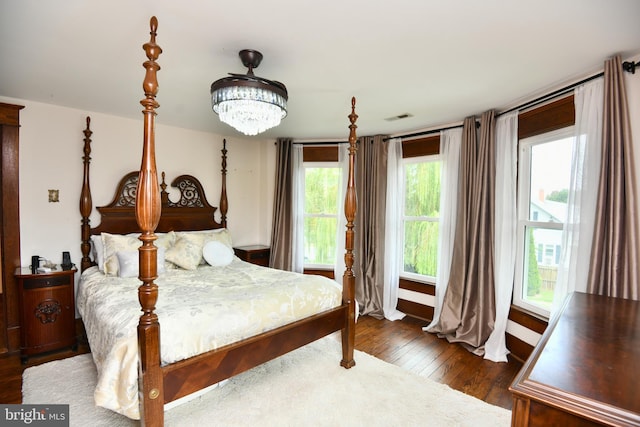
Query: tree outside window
x=421 y=216
x=321 y=207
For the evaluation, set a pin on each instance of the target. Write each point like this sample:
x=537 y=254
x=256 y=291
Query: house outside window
x=421 y=215
x=544 y=168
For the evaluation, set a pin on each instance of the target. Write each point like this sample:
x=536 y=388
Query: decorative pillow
x=221 y=235
x=114 y=243
x=186 y=252
x=165 y=240
x=217 y=254
x=129 y=262
x=218 y=234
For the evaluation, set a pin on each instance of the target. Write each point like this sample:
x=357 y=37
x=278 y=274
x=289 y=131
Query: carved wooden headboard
x=191 y=212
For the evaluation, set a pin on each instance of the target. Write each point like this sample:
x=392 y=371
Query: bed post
x=86 y=204
x=348 y=279
x=224 y=204
x=150 y=386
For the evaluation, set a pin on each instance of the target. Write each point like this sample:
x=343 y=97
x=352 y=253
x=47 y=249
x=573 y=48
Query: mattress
x=198 y=310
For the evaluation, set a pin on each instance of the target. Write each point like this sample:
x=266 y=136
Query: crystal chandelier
x=249 y=103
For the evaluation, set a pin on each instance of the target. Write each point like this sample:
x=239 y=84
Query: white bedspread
x=198 y=311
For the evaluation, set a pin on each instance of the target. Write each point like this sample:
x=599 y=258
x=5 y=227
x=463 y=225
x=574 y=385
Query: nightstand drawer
x=46 y=281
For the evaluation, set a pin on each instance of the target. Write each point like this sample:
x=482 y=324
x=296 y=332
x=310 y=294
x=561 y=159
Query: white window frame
x=421 y=278
x=315 y=165
x=524 y=203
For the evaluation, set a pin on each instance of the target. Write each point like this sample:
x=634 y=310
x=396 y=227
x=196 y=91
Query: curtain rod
x=429 y=132
x=527 y=104
x=551 y=95
x=425 y=132
x=321 y=143
x=627 y=66
x=630 y=66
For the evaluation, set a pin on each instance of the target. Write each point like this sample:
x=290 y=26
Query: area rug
x=306 y=387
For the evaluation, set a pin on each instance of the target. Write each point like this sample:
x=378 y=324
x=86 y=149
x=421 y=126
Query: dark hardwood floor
x=402 y=343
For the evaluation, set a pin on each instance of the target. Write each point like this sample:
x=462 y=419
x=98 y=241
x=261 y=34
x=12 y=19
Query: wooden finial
x=150 y=84
x=352 y=127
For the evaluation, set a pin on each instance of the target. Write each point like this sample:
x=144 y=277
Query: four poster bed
x=201 y=344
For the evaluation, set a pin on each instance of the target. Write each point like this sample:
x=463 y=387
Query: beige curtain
x=468 y=310
x=614 y=255
x=282 y=228
x=371 y=187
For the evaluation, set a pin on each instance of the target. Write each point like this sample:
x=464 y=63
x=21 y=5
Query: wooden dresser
x=585 y=371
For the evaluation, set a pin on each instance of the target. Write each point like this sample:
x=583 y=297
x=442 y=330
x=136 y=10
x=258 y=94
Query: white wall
x=51 y=143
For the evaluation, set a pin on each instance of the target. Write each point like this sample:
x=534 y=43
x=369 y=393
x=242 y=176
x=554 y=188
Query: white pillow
x=129 y=263
x=218 y=234
x=217 y=254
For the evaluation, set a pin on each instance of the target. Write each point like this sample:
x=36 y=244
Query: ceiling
x=438 y=61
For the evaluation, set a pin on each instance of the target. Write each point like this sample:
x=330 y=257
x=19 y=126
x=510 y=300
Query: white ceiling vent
x=399 y=117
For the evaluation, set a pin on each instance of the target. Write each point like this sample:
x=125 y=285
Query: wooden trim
x=519 y=349
x=426 y=146
x=423 y=288
x=549 y=117
x=320 y=272
x=9 y=227
x=414 y=309
x=320 y=154
x=527 y=319
x=10 y=114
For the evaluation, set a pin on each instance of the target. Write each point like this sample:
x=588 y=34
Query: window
x=544 y=168
x=421 y=214
x=322 y=204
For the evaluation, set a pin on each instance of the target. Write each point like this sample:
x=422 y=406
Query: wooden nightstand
x=47 y=311
x=255 y=254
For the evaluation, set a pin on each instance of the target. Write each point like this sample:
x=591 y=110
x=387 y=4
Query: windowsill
x=326 y=272
x=530 y=313
x=418 y=280
x=530 y=308
x=318 y=267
